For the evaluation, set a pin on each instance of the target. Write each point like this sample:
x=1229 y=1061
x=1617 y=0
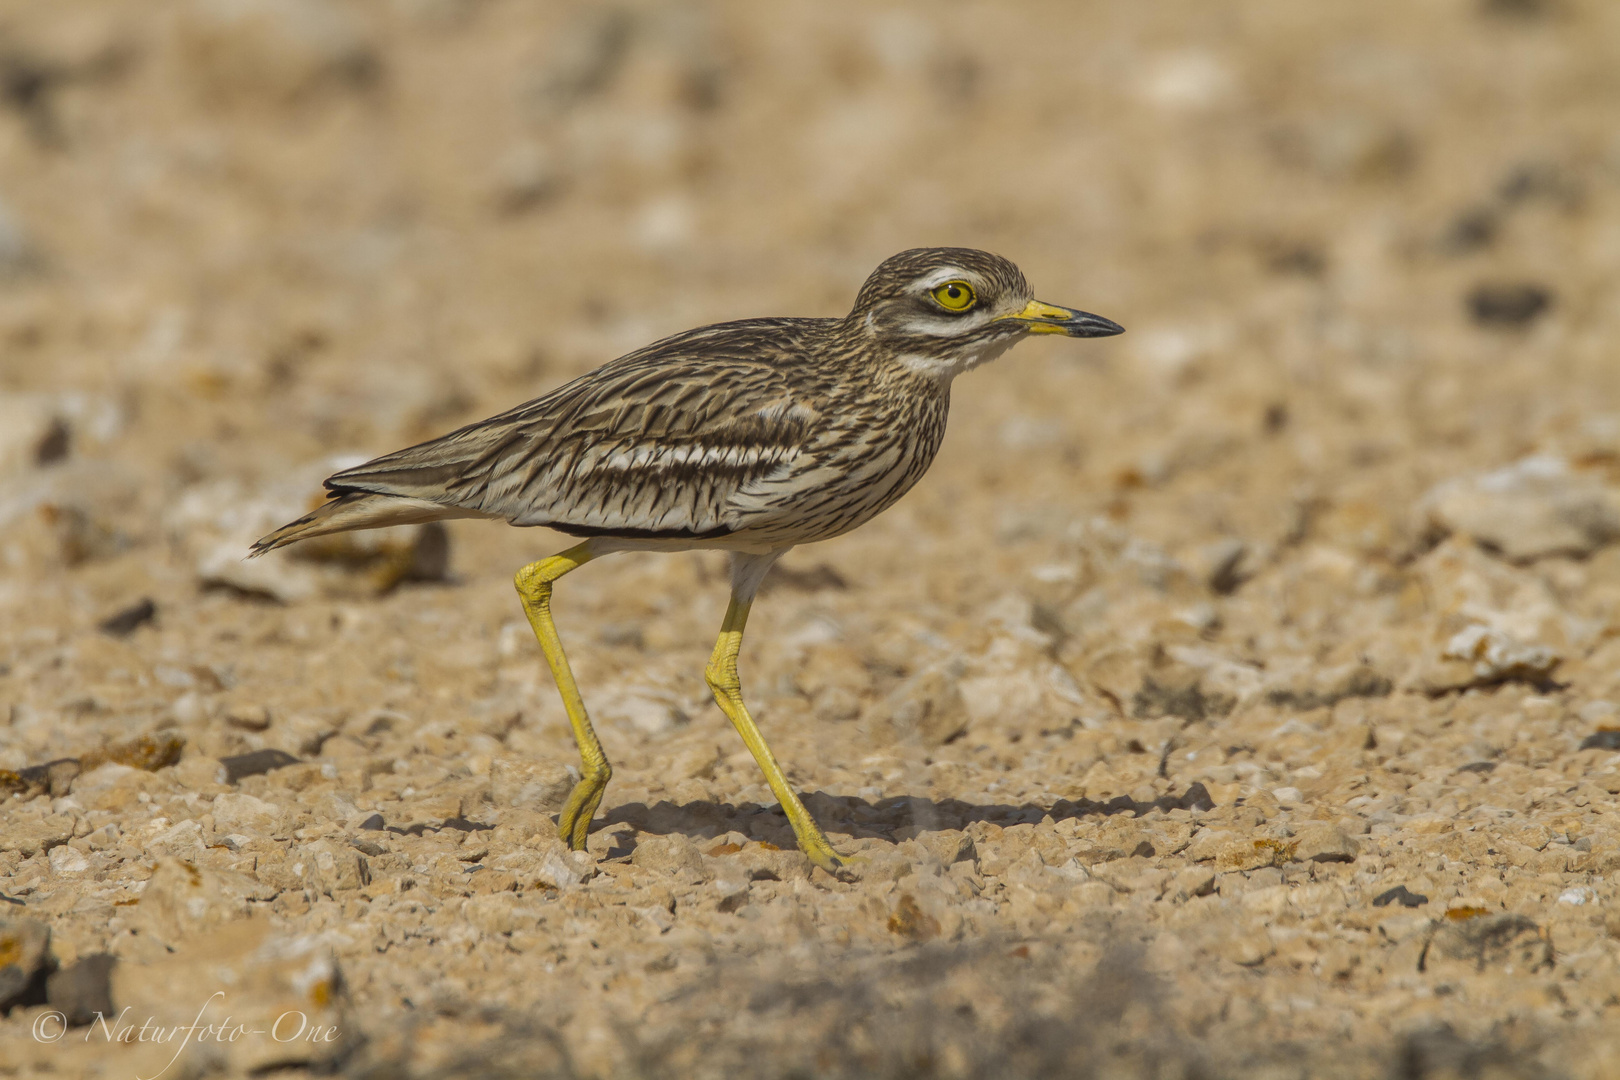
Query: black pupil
x=953 y=292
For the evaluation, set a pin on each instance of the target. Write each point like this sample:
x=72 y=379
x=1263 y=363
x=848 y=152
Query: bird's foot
x=574 y=822
x=821 y=853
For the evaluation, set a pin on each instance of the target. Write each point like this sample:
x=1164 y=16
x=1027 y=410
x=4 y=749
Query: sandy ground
x=1237 y=697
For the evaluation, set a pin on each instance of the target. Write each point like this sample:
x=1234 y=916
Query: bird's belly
x=831 y=495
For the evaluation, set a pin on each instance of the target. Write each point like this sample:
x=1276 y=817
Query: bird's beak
x=1039 y=318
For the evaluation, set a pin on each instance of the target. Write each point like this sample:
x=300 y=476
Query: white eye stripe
x=948 y=273
x=944 y=325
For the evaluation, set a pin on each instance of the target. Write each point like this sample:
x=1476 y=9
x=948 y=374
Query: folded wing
x=656 y=444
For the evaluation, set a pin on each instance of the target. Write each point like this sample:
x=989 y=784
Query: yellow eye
x=955 y=296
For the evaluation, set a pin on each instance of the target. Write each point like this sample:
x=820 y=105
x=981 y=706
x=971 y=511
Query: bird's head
x=943 y=311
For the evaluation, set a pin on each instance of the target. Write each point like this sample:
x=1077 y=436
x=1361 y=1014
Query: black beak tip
x=1085 y=324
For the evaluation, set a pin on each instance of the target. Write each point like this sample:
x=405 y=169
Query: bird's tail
x=357 y=510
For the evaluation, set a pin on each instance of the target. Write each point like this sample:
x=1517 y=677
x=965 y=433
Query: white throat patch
x=944 y=369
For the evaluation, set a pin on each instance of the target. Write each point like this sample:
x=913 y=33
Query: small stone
x=147 y=752
x=1324 y=844
x=201 y=773
x=561 y=868
x=928 y=708
x=67 y=860
x=1196 y=797
x=32 y=427
x=1401 y=895
x=127 y=620
x=1494 y=655
x=257 y=763
x=180 y=900
x=248 y=717
x=1537 y=507
x=247 y=813
x=24 y=959
x=1247 y=950
x=374 y=823
x=1191 y=882
x=266 y=978
x=83 y=990
x=329 y=866
x=648 y=710
x=1602 y=739
x=1230 y=852
x=1508 y=304
x=542 y=785
x=668 y=855
x=950 y=848
x=29 y=838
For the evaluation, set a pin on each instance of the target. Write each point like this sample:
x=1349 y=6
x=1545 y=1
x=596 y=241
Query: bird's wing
x=656 y=444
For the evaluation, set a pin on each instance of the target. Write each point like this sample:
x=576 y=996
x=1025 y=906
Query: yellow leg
x=722 y=678
x=534 y=589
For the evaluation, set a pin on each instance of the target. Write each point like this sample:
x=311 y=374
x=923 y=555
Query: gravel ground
x=1236 y=698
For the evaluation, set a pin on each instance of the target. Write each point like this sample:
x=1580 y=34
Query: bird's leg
x=534 y=589
x=722 y=677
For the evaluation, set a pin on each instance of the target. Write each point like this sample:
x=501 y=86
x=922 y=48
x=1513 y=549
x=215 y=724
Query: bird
x=751 y=437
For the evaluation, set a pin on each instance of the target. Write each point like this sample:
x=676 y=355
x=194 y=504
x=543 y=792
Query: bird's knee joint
x=722 y=681
x=532 y=585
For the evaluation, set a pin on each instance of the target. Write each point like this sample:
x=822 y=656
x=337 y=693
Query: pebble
x=181 y=900
x=247 y=974
x=1324 y=844
x=1538 y=507
x=82 y=991
x=24 y=958
x=1401 y=895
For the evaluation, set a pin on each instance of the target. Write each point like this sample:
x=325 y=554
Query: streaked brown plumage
x=751 y=436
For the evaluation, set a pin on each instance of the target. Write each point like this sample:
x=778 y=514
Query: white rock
x=66 y=860
x=537 y=783
x=1536 y=507
x=182 y=840
x=180 y=900
x=247 y=813
x=1494 y=654
x=646 y=709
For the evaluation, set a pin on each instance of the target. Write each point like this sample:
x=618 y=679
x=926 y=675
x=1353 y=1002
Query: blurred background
x=1353 y=468
x=239 y=234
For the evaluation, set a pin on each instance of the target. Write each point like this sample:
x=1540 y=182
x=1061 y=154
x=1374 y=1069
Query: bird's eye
x=955 y=296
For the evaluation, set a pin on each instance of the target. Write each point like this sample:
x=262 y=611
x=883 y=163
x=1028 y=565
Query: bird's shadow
x=860 y=819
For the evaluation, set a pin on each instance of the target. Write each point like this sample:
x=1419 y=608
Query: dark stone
x=56 y=444
x=1197 y=797
x=1602 y=739
x=25 y=959
x=1478 y=767
x=125 y=622
x=368 y=847
x=83 y=990
x=259 y=761
x=1178 y=694
x=375 y=823
x=1508 y=304
x=1472 y=230
x=1401 y=895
